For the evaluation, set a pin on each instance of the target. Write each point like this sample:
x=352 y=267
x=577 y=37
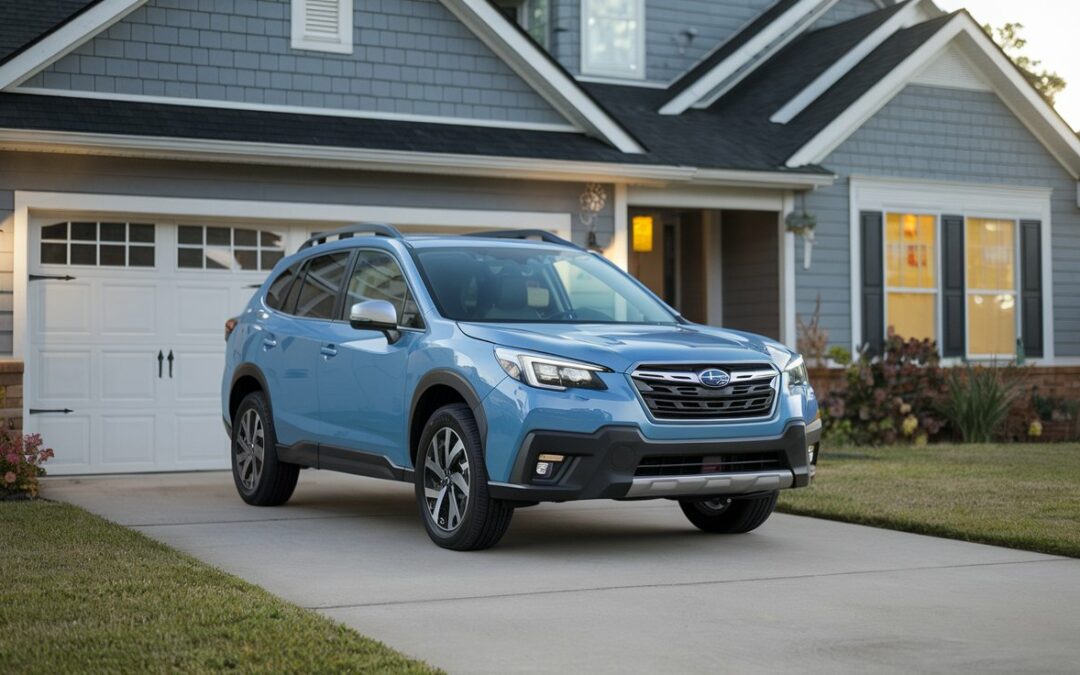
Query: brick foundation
x=11 y=393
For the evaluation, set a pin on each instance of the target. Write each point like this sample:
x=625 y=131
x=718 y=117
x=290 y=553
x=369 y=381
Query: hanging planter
x=803 y=223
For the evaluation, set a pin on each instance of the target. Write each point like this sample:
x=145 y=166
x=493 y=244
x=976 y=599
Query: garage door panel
x=69 y=437
x=129 y=376
x=198 y=375
x=128 y=439
x=62 y=375
x=201 y=311
x=128 y=309
x=64 y=309
x=201 y=440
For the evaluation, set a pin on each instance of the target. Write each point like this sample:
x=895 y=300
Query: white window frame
x=341 y=44
x=970 y=200
x=606 y=71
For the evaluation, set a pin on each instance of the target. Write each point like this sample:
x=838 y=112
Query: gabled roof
x=27 y=22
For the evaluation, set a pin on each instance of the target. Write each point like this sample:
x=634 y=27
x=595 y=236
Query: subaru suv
x=500 y=370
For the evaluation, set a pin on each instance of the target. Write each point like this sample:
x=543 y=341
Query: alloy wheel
x=250 y=449
x=446 y=479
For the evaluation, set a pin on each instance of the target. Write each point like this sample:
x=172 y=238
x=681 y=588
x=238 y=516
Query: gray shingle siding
x=667 y=52
x=99 y=175
x=846 y=10
x=931 y=133
x=410 y=57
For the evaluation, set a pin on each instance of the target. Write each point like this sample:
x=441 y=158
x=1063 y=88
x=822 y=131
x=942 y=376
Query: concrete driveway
x=618 y=587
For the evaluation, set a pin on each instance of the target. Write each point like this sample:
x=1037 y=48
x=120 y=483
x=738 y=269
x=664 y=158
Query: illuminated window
x=910 y=275
x=613 y=41
x=990 y=253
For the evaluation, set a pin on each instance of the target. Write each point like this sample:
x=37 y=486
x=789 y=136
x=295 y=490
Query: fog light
x=543 y=469
x=547 y=464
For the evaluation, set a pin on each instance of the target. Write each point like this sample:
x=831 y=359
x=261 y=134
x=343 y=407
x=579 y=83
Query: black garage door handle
x=42 y=411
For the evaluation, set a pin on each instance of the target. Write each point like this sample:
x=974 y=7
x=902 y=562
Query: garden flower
x=12 y=458
x=9 y=477
x=1035 y=429
x=909 y=425
x=905 y=408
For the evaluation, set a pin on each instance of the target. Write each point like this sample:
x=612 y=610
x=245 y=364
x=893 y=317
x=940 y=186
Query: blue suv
x=503 y=369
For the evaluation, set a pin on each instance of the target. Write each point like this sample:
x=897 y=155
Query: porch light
x=643 y=234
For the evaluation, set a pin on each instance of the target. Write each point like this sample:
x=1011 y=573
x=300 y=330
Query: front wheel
x=452 y=484
x=260 y=478
x=723 y=515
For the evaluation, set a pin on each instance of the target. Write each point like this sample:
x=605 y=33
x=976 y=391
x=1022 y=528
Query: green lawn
x=1021 y=496
x=78 y=593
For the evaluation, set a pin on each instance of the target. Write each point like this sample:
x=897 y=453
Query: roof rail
x=378 y=229
x=542 y=235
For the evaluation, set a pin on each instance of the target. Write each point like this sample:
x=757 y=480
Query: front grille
x=690 y=465
x=674 y=392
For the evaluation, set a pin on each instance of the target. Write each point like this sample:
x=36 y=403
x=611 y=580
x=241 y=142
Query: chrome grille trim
x=692 y=376
x=673 y=392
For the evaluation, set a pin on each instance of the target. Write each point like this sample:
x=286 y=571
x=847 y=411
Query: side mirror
x=377 y=315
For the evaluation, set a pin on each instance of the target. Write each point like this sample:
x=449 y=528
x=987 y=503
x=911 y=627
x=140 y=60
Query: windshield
x=521 y=284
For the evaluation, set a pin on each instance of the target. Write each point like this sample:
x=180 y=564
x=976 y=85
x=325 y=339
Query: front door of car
x=362 y=388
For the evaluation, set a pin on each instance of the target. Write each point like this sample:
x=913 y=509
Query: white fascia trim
x=281 y=154
x=939 y=198
x=1017 y=94
x=643 y=84
x=65 y=39
x=759 y=59
x=300 y=110
x=535 y=67
x=908 y=16
x=741 y=57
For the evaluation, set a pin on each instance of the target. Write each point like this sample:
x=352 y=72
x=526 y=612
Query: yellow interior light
x=642 y=234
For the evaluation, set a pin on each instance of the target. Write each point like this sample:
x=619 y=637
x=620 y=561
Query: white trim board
x=903 y=18
x=280 y=154
x=941 y=198
x=28 y=202
x=298 y=109
x=1017 y=94
x=783 y=27
x=65 y=39
x=687 y=197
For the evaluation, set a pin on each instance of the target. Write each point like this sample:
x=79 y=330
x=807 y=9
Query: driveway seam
x=597 y=589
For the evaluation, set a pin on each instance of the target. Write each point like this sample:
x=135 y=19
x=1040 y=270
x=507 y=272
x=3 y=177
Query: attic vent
x=323 y=25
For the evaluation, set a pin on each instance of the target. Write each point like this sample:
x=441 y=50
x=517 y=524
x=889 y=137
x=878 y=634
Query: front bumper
x=602 y=465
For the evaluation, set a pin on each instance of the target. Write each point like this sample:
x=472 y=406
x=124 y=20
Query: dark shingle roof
x=27 y=21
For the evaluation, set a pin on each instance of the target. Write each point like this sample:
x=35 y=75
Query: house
x=158 y=157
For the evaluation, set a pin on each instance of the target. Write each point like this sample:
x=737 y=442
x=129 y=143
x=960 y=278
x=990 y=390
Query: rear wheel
x=260 y=478
x=452 y=484
x=724 y=515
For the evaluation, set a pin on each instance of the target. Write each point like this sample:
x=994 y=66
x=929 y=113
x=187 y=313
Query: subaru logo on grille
x=714 y=378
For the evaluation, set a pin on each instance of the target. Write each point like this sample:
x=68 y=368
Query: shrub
x=889 y=399
x=21 y=458
x=978 y=401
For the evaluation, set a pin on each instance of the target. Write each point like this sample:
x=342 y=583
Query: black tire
x=484 y=520
x=275 y=481
x=735 y=517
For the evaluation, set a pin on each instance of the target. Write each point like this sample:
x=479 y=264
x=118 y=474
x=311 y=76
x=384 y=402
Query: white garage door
x=126 y=343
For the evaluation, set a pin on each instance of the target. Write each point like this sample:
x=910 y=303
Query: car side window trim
x=301 y=278
x=410 y=293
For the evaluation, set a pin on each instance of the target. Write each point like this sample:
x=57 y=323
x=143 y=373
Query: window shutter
x=873 y=281
x=953 y=302
x=322 y=25
x=1031 y=287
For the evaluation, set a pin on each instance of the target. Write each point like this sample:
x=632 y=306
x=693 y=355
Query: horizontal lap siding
x=845 y=10
x=952 y=135
x=410 y=57
x=74 y=173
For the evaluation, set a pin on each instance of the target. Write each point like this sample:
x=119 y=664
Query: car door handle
x=329 y=351
x=269 y=342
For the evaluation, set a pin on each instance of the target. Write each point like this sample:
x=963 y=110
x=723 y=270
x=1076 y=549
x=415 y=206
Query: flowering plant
x=21 y=458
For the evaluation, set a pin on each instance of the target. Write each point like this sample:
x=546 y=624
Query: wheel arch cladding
x=246 y=379
x=436 y=389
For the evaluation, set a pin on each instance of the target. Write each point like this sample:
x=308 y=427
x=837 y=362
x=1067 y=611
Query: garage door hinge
x=42 y=411
x=58 y=277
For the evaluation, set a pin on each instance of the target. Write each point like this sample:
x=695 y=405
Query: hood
x=620 y=347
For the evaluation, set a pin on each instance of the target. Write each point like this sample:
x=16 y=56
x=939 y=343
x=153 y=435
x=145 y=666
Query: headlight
x=796 y=372
x=547 y=372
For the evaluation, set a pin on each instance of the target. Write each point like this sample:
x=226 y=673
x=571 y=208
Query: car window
x=322 y=282
x=377 y=276
x=275 y=295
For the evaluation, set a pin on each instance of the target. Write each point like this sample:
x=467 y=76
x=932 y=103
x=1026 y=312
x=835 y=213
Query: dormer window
x=323 y=25
x=532 y=15
x=613 y=38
